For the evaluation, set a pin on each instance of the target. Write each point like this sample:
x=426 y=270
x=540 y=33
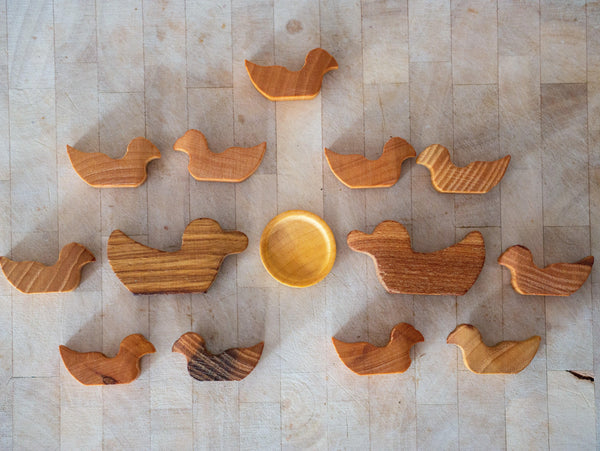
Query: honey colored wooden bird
x=193 y=268
x=231 y=365
x=279 y=83
x=477 y=177
x=507 y=357
x=365 y=359
x=99 y=170
x=234 y=164
x=35 y=277
x=558 y=279
x=94 y=368
x=450 y=271
x=356 y=171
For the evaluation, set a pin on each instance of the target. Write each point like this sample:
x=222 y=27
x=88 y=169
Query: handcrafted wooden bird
x=477 y=177
x=94 y=368
x=35 y=277
x=364 y=359
x=558 y=279
x=193 y=268
x=101 y=171
x=234 y=164
x=507 y=357
x=356 y=171
x=450 y=271
x=231 y=365
x=279 y=83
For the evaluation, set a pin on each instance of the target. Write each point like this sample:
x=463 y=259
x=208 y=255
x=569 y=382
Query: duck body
x=365 y=359
x=558 y=279
x=356 y=171
x=94 y=368
x=279 y=83
x=231 y=365
x=507 y=357
x=234 y=164
x=450 y=271
x=35 y=277
x=100 y=171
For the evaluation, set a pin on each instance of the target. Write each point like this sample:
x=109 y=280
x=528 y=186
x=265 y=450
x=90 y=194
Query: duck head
x=85 y=255
x=321 y=58
x=385 y=231
x=188 y=344
x=137 y=345
x=407 y=332
x=465 y=335
x=514 y=254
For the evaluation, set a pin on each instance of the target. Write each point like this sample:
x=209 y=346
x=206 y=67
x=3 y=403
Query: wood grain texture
x=193 y=268
x=450 y=271
x=356 y=171
x=506 y=357
x=558 y=279
x=478 y=177
x=35 y=277
x=231 y=365
x=365 y=359
x=101 y=171
x=279 y=83
x=94 y=368
x=234 y=164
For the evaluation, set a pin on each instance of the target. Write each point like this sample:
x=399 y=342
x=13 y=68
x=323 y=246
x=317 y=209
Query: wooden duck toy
x=365 y=359
x=235 y=164
x=193 y=268
x=101 y=171
x=94 y=368
x=450 y=271
x=356 y=171
x=476 y=178
x=231 y=365
x=558 y=279
x=35 y=277
x=279 y=83
x=507 y=357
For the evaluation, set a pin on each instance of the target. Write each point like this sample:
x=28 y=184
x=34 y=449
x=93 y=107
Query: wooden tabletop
x=482 y=78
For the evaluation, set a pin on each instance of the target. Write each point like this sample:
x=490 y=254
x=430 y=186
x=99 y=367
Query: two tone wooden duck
x=231 y=365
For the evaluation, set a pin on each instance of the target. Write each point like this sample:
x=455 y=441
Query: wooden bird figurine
x=101 y=171
x=35 y=277
x=356 y=171
x=231 y=365
x=507 y=357
x=476 y=178
x=235 y=164
x=193 y=268
x=279 y=83
x=94 y=368
x=451 y=271
x=365 y=359
x=558 y=279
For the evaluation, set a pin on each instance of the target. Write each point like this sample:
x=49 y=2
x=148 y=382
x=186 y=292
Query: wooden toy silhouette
x=356 y=171
x=35 y=277
x=477 y=177
x=507 y=357
x=450 y=271
x=365 y=359
x=193 y=268
x=558 y=279
x=94 y=368
x=279 y=83
x=234 y=164
x=99 y=170
x=231 y=365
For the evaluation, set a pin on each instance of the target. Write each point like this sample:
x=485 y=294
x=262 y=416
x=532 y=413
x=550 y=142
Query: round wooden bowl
x=297 y=248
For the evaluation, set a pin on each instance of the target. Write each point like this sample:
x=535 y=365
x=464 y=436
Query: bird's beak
x=332 y=64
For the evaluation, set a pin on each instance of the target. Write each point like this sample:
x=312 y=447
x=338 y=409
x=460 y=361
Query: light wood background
x=481 y=77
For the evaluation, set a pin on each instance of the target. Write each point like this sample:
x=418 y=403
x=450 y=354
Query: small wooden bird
x=35 y=277
x=364 y=359
x=507 y=357
x=231 y=365
x=94 y=368
x=279 y=83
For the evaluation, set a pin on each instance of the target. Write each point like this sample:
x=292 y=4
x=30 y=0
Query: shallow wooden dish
x=297 y=248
